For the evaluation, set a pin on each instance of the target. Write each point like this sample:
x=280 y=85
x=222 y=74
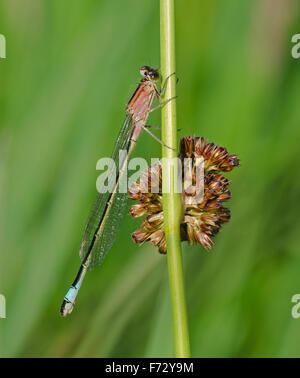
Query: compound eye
x=154 y=76
x=144 y=71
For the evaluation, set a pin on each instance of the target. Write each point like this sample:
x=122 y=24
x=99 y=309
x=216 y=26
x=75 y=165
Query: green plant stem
x=171 y=199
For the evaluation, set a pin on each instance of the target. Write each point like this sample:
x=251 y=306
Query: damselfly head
x=149 y=73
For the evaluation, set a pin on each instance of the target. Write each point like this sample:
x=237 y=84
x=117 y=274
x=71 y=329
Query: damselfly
x=108 y=209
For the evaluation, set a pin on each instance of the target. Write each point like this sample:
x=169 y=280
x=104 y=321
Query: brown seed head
x=200 y=220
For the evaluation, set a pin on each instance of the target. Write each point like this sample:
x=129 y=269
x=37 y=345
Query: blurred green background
x=71 y=67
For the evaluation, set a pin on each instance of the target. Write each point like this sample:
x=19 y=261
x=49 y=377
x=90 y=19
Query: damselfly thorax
x=140 y=104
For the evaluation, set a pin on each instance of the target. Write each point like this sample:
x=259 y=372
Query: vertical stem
x=171 y=199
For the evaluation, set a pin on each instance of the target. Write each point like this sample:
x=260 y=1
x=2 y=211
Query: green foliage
x=70 y=69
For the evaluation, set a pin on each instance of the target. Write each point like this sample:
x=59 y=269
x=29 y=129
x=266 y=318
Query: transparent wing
x=108 y=209
x=109 y=232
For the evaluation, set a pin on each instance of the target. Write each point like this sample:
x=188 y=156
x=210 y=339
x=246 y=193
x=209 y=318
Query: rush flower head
x=201 y=219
